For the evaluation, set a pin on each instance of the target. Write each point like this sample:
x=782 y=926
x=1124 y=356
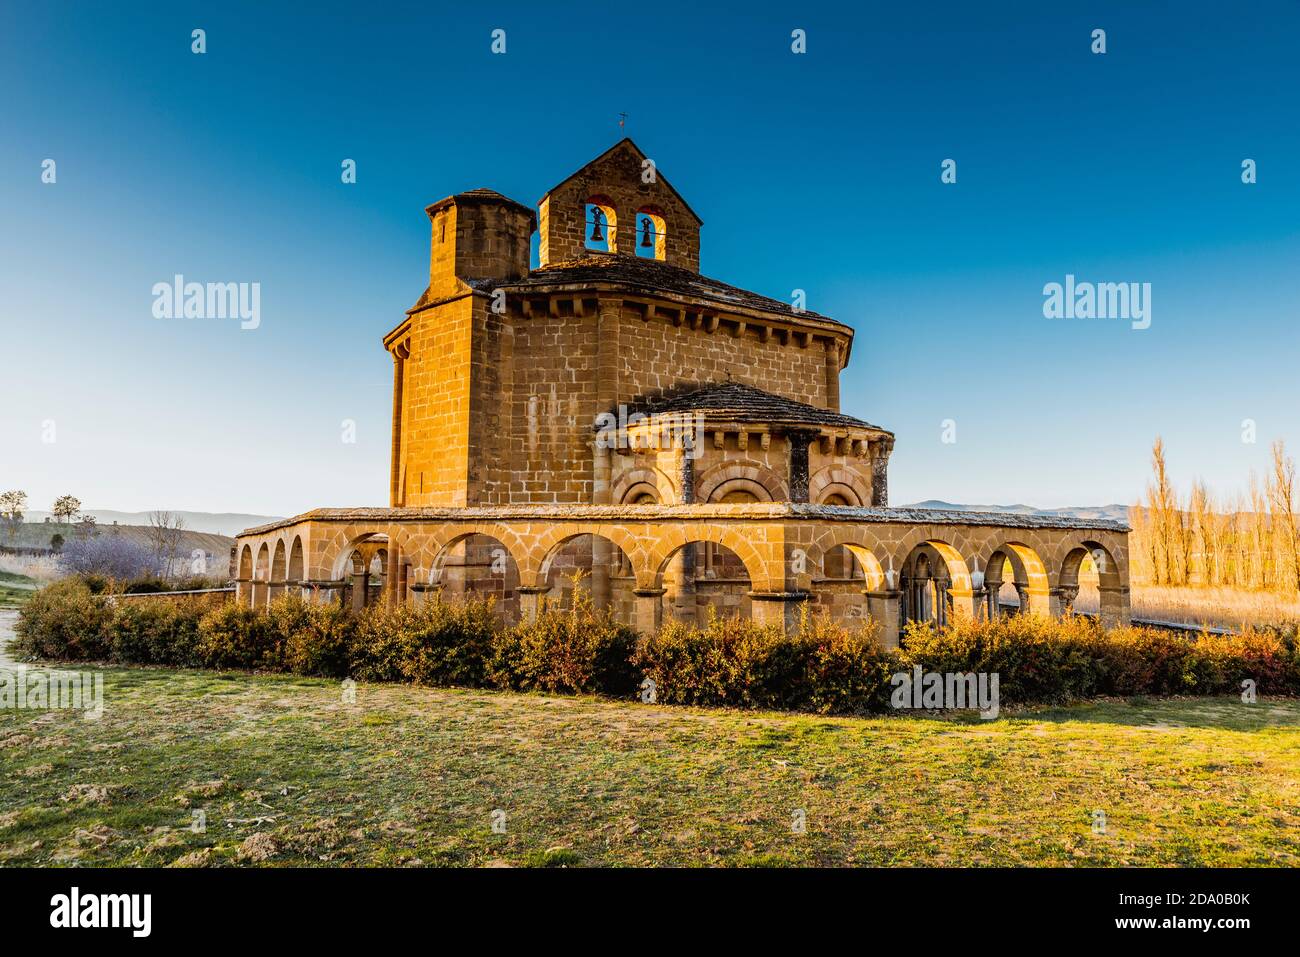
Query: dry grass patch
x=287 y=773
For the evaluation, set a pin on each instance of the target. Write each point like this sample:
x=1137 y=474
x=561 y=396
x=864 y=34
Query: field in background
x=286 y=772
x=1220 y=606
x=37 y=535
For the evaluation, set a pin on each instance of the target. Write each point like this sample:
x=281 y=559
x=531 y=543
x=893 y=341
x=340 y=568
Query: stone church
x=614 y=420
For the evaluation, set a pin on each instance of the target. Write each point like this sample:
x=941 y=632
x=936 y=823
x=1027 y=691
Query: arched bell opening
x=651 y=234
x=600 y=233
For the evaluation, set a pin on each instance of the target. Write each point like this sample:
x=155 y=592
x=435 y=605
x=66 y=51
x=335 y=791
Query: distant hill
x=1117 y=513
x=215 y=523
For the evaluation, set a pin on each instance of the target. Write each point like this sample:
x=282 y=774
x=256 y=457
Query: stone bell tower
x=629 y=189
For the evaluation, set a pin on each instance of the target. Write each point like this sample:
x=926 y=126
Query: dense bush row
x=820 y=667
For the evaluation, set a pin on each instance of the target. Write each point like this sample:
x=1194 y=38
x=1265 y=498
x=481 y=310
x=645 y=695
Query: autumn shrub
x=1035 y=658
x=436 y=643
x=64 y=621
x=316 y=639
x=236 y=636
x=821 y=666
x=573 y=650
x=155 y=633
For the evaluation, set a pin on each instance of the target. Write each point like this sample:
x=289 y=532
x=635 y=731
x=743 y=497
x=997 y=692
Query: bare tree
x=1282 y=487
x=165 y=532
x=1166 y=522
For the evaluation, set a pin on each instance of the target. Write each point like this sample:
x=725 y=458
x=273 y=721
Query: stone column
x=992 y=592
x=832 y=375
x=530 y=600
x=261 y=593
x=880 y=450
x=403 y=578
x=602 y=552
x=1115 y=606
x=980 y=600
x=1022 y=593
x=885 y=608
x=1063 y=600
x=391 y=572
x=799 y=442
x=396 y=494
x=686 y=474
x=421 y=593
x=778 y=608
x=649 y=605
x=683 y=567
x=244 y=591
x=683 y=564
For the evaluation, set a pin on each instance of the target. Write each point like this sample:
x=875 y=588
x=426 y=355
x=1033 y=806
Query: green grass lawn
x=15 y=589
x=287 y=773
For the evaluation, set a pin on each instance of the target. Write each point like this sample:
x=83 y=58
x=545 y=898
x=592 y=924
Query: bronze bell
x=645 y=233
x=596 y=235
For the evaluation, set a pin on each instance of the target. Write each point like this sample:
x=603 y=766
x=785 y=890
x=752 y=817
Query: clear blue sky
x=816 y=171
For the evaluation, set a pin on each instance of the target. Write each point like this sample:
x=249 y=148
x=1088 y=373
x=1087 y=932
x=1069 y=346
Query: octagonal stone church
x=615 y=421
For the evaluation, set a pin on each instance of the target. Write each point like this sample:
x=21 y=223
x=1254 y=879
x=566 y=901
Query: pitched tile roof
x=655 y=276
x=738 y=402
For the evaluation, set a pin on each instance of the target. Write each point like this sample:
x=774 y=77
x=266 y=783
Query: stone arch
x=279 y=563
x=1114 y=599
x=246 y=591
x=699 y=578
x=477 y=562
x=842 y=572
x=871 y=557
x=643 y=479
x=1030 y=576
x=735 y=541
x=544 y=547
x=367 y=543
x=718 y=475
x=297 y=569
x=260 y=590
x=739 y=490
x=935 y=583
x=838 y=480
x=601 y=565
